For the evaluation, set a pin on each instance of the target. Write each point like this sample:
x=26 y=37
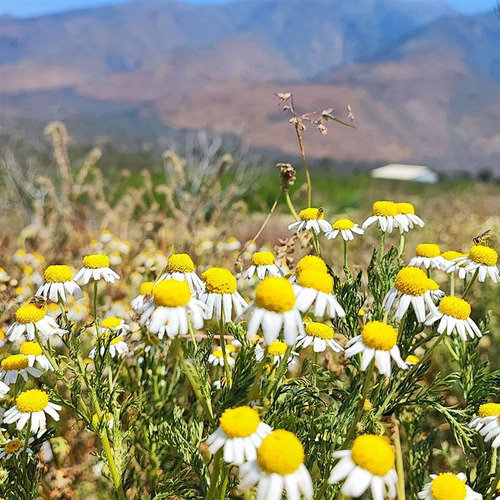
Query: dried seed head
x=288 y=176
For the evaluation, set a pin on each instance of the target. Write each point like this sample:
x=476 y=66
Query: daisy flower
x=412 y=360
x=410 y=288
x=377 y=340
x=448 y=486
x=311 y=262
x=106 y=341
x=434 y=290
x=180 y=267
x=481 y=259
x=139 y=303
x=320 y=335
x=276 y=350
x=368 y=464
x=315 y=287
x=169 y=309
x=406 y=211
x=311 y=219
x=96 y=267
x=347 y=228
x=220 y=294
x=488 y=423
x=113 y=324
x=274 y=309
x=231 y=244
x=31 y=319
x=279 y=466
x=386 y=215
x=263 y=264
x=453 y=314
x=34 y=353
x=240 y=433
x=428 y=255
x=32 y=405
x=449 y=257
x=58 y=283
x=216 y=358
x=14 y=447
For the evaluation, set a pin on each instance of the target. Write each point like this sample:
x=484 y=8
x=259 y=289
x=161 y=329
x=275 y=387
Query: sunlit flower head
x=14 y=447
x=34 y=353
x=320 y=336
x=448 y=486
x=106 y=236
x=428 y=255
x=240 y=433
x=346 y=228
x=279 y=466
x=263 y=264
x=412 y=360
x=180 y=267
x=107 y=341
x=386 y=215
x=216 y=357
x=487 y=423
x=449 y=259
x=482 y=259
x=434 y=290
x=311 y=219
x=113 y=324
x=96 y=267
x=139 y=302
x=369 y=464
x=406 y=211
x=276 y=351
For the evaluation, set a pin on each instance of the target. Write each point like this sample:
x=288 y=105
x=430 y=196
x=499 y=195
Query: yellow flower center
x=451 y=255
x=180 y=263
x=31 y=349
x=172 y=293
x=311 y=262
x=111 y=322
x=429 y=250
x=310 y=278
x=95 y=261
x=448 y=487
x=219 y=354
x=30 y=314
x=319 y=330
x=275 y=294
x=312 y=214
x=13 y=446
x=412 y=359
x=239 y=422
x=412 y=281
x=489 y=410
x=343 y=224
x=455 y=307
x=277 y=348
x=32 y=401
x=380 y=336
x=263 y=258
x=373 y=453
x=280 y=453
x=15 y=362
x=405 y=208
x=58 y=274
x=219 y=280
x=483 y=255
x=385 y=209
x=146 y=287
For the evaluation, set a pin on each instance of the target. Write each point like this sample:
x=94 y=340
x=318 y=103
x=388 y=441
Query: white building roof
x=399 y=171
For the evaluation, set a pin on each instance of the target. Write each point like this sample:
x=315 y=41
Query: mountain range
x=422 y=79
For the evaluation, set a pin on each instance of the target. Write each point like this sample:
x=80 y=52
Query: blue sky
x=28 y=8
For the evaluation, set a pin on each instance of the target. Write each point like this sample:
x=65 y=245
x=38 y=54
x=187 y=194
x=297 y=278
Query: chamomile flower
x=386 y=215
x=410 y=288
x=216 y=358
x=406 y=211
x=180 y=267
x=169 y=309
x=434 y=290
x=412 y=360
x=453 y=314
x=34 y=353
x=311 y=262
x=96 y=267
x=220 y=294
x=320 y=335
x=449 y=259
x=487 y=423
x=240 y=433
x=316 y=287
x=31 y=319
x=32 y=405
x=346 y=228
x=263 y=264
x=17 y=365
x=274 y=309
x=428 y=255
x=107 y=340
x=369 y=464
x=481 y=259
x=279 y=466
x=14 y=447
x=114 y=324
x=377 y=340
x=448 y=486
x=139 y=303
x=311 y=219
x=77 y=312
x=276 y=350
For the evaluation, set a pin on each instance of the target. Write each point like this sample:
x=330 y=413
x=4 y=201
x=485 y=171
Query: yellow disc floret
x=489 y=410
x=319 y=330
x=412 y=281
x=239 y=422
x=428 y=250
x=180 y=263
x=171 y=293
x=277 y=348
x=280 y=453
x=483 y=255
x=275 y=294
x=311 y=262
x=30 y=349
x=146 y=287
x=455 y=307
x=32 y=401
x=322 y=282
x=30 y=314
x=111 y=322
x=405 y=208
x=452 y=255
x=263 y=258
x=373 y=453
x=385 y=209
x=343 y=224
x=380 y=336
x=95 y=261
x=15 y=362
x=58 y=274
x=312 y=214
x=13 y=446
x=448 y=486
x=219 y=280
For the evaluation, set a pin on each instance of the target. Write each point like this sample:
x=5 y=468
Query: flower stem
x=115 y=475
x=469 y=286
x=401 y=245
x=496 y=479
x=304 y=161
x=291 y=207
x=223 y=348
x=452 y=284
x=347 y=271
x=382 y=247
x=399 y=461
x=214 y=477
